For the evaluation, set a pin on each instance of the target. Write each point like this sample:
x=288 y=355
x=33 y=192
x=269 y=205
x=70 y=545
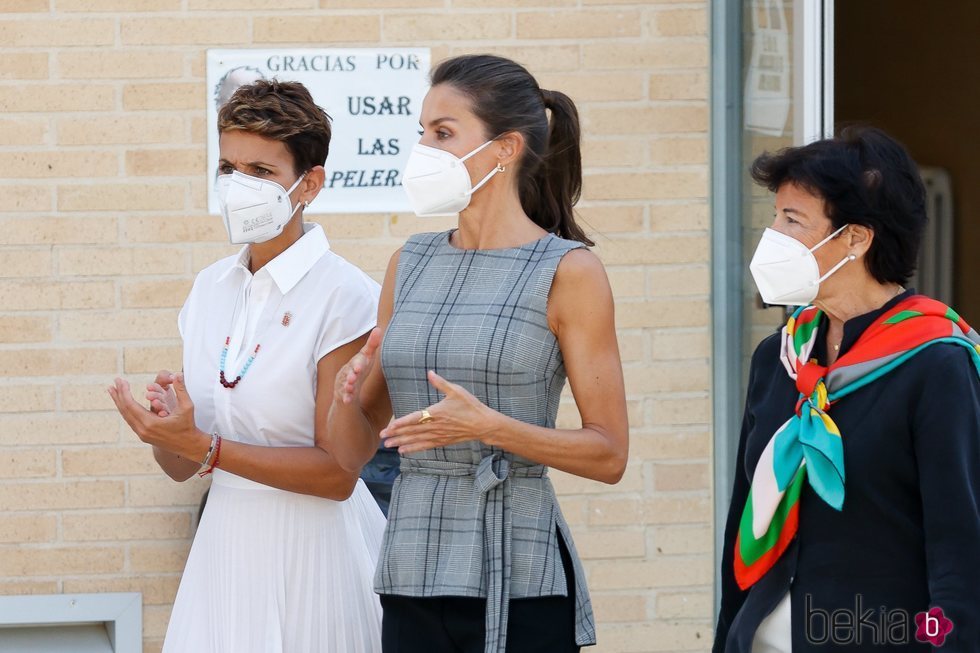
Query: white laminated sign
x=373 y=96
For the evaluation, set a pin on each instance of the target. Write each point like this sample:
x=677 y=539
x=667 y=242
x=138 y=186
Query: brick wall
x=103 y=225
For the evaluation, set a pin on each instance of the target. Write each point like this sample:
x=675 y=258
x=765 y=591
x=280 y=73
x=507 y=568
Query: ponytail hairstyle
x=506 y=98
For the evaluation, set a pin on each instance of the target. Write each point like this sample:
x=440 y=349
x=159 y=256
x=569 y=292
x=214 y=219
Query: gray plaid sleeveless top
x=470 y=519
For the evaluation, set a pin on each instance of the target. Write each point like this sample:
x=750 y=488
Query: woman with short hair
x=854 y=510
x=287 y=544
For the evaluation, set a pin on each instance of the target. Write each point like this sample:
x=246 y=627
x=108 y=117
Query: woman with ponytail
x=478 y=328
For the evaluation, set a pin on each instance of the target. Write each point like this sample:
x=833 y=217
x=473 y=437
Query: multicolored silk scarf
x=808 y=446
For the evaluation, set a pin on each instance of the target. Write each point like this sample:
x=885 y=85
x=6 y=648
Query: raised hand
x=160 y=394
x=347 y=388
x=459 y=417
x=176 y=432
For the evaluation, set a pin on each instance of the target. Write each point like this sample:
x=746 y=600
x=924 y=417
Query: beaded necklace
x=241 y=375
x=222 y=376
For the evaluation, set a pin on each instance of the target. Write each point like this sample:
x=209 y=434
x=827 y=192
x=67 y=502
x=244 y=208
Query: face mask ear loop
x=291 y=189
x=845 y=261
x=484 y=180
x=295 y=209
x=828 y=238
x=477 y=150
x=295 y=184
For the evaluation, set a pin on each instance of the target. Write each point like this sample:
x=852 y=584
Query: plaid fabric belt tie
x=491 y=480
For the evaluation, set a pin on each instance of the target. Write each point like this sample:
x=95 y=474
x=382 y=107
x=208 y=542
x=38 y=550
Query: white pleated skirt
x=272 y=571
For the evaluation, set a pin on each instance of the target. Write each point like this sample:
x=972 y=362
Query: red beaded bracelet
x=214 y=461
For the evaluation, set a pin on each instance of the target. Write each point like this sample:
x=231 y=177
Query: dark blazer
x=908 y=536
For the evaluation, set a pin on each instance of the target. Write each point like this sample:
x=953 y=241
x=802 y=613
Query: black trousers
x=455 y=624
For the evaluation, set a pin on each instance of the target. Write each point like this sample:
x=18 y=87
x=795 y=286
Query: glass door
x=772 y=87
x=787 y=99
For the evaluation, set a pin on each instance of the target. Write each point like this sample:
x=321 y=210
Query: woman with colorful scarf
x=854 y=521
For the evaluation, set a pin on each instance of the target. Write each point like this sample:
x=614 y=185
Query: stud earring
x=501 y=167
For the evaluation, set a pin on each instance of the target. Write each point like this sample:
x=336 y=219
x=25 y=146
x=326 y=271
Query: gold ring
x=426 y=417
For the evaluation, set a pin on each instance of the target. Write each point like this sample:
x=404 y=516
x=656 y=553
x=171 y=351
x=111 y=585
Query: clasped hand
x=169 y=422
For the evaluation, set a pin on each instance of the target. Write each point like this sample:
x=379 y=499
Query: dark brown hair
x=281 y=111
x=865 y=177
x=505 y=97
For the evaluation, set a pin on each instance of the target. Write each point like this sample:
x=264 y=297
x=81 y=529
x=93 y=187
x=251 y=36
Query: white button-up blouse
x=299 y=307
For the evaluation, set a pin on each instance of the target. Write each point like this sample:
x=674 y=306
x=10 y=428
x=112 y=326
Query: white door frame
x=813 y=64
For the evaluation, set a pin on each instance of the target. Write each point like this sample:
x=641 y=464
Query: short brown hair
x=281 y=111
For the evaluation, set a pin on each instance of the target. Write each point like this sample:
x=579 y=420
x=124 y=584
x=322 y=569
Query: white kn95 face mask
x=786 y=271
x=437 y=182
x=254 y=210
